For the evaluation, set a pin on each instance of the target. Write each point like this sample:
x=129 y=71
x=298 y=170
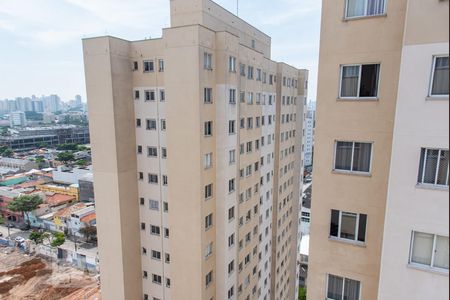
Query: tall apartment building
x=380 y=226
x=310 y=120
x=196 y=141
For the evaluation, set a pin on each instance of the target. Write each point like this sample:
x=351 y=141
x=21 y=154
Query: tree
x=89 y=232
x=302 y=293
x=37 y=237
x=81 y=162
x=67 y=146
x=25 y=204
x=58 y=239
x=8 y=153
x=65 y=157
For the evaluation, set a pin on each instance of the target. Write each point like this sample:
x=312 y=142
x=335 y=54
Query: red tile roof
x=58 y=199
x=65 y=212
x=88 y=218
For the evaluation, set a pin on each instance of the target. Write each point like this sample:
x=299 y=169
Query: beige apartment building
x=380 y=202
x=197 y=142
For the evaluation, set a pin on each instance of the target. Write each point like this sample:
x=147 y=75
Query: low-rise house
x=22 y=165
x=69 y=175
x=60 y=188
x=61 y=218
x=76 y=223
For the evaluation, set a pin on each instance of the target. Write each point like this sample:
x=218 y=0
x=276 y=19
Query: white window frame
x=232 y=64
x=365 y=15
x=343 y=286
x=355 y=241
x=430 y=86
x=207 y=61
x=433 y=254
x=359 y=81
x=208 y=160
x=353 y=152
x=436 y=171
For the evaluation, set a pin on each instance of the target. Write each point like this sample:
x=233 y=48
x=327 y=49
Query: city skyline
x=53 y=31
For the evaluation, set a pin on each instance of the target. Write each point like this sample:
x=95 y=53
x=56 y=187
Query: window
x=208 y=160
x=231 y=267
x=232 y=98
x=250 y=72
x=208 y=191
x=429 y=250
x=156 y=279
x=232 y=156
x=434 y=167
x=163 y=124
x=209 y=250
x=153 y=178
x=151 y=124
x=207 y=61
x=155 y=230
x=142 y=226
x=161 y=65
x=142 y=201
x=208 y=221
x=208 y=128
x=154 y=205
x=139 y=149
x=232 y=64
x=231 y=240
x=250 y=98
x=156 y=255
x=231 y=185
x=353 y=157
x=362 y=8
x=168 y=282
x=207 y=96
x=231 y=213
x=149 y=66
x=340 y=288
x=208 y=278
x=135 y=66
x=165 y=180
x=439 y=76
x=232 y=127
x=242 y=69
x=359 y=81
x=162 y=95
x=150 y=95
x=152 y=152
x=136 y=95
x=349 y=226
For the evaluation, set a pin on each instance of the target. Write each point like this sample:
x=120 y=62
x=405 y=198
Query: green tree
x=8 y=153
x=25 y=204
x=58 y=239
x=67 y=147
x=89 y=232
x=65 y=157
x=302 y=293
x=81 y=162
x=37 y=237
x=82 y=148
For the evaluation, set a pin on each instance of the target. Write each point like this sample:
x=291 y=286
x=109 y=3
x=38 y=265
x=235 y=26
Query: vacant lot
x=34 y=278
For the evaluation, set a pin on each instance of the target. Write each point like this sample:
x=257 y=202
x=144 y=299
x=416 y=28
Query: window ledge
x=437 y=98
x=359 y=99
x=431 y=187
x=345 y=241
x=343 y=172
x=428 y=269
x=346 y=19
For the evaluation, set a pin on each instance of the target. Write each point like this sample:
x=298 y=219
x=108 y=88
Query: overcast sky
x=40 y=40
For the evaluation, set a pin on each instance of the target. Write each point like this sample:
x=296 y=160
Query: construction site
x=24 y=276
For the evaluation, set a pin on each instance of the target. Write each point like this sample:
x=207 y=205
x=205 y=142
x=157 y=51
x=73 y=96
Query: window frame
x=433 y=254
x=356 y=232
x=433 y=69
x=343 y=286
x=369 y=173
x=341 y=70
x=150 y=62
x=434 y=185
x=365 y=15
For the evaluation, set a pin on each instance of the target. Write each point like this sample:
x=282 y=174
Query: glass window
x=434 y=167
x=353 y=156
x=430 y=250
x=340 y=288
x=361 y=8
x=359 y=81
x=440 y=78
x=347 y=225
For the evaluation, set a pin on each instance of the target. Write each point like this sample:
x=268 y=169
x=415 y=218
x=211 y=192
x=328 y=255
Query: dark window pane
x=351 y=289
x=334 y=226
x=361 y=157
x=335 y=285
x=421 y=165
x=349 y=83
x=369 y=81
x=430 y=166
x=440 y=77
x=443 y=168
x=343 y=156
x=362 y=228
x=348 y=225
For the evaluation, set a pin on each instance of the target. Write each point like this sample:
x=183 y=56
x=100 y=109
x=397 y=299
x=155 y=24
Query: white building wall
x=420 y=122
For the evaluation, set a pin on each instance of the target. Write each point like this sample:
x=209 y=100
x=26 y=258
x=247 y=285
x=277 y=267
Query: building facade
x=17 y=119
x=376 y=118
x=196 y=142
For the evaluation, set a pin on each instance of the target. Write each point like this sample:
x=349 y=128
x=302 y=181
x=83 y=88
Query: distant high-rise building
x=52 y=103
x=196 y=141
x=310 y=120
x=17 y=118
x=78 y=102
x=380 y=222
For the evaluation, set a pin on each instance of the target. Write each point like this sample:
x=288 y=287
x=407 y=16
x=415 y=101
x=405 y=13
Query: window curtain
x=343 y=156
x=349 y=83
x=442 y=252
x=335 y=285
x=430 y=166
x=355 y=8
x=351 y=289
x=361 y=157
x=375 y=7
x=348 y=226
x=440 y=78
x=422 y=248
